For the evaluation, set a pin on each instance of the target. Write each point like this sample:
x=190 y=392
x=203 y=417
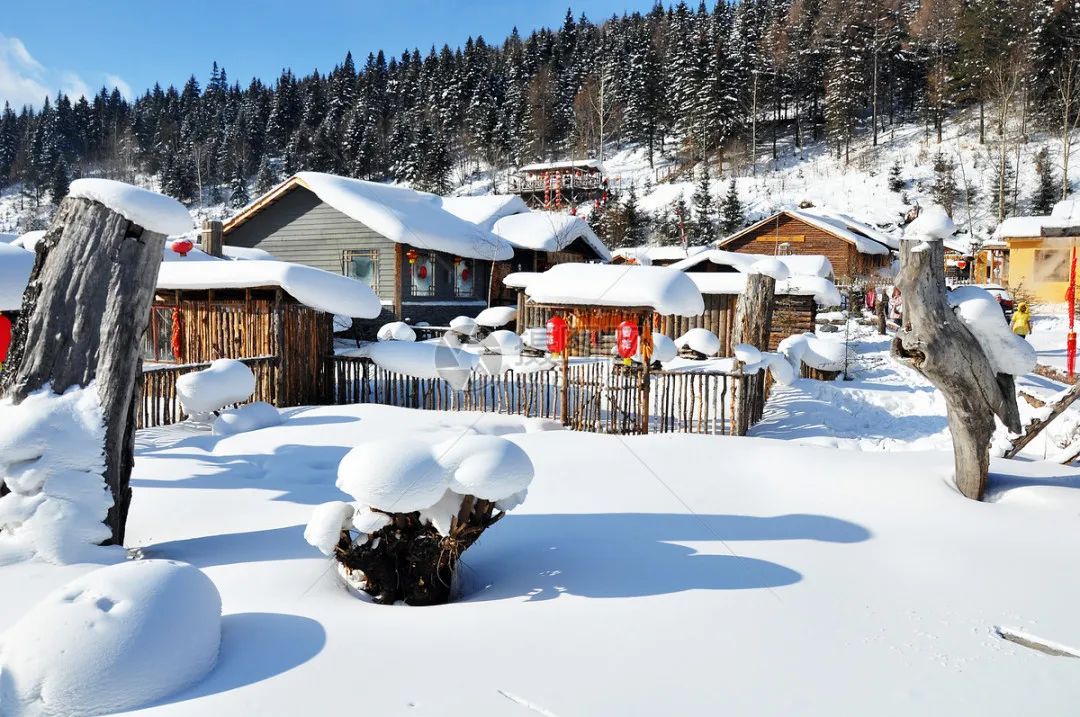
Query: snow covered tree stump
x=418 y=507
x=753 y=317
x=86 y=308
x=967 y=355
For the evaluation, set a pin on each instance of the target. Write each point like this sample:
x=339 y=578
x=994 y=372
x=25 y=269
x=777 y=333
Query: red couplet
x=627 y=339
x=557 y=332
x=5 y=337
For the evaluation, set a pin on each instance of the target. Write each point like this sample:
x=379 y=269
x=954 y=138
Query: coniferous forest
x=695 y=81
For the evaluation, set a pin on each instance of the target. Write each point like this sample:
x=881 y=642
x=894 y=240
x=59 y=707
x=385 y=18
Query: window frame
x=347 y=256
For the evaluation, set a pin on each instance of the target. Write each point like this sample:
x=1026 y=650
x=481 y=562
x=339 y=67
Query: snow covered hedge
x=417 y=507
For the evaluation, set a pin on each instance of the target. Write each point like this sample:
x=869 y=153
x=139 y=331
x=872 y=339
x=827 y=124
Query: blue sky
x=77 y=46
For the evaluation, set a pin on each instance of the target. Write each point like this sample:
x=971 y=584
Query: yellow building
x=1040 y=250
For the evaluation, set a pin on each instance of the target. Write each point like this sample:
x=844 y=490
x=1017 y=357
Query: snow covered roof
x=150 y=210
x=804 y=264
x=665 y=290
x=1064 y=220
x=571 y=163
x=520 y=279
x=15 y=266
x=823 y=290
x=865 y=238
x=399 y=214
x=332 y=293
x=486 y=209
x=549 y=231
x=646 y=255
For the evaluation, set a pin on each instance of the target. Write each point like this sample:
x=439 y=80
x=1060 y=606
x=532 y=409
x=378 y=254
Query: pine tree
x=944 y=189
x=59 y=181
x=732 y=216
x=634 y=221
x=266 y=178
x=896 y=177
x=238 y=193
x=704 y=220
x=1048 y=192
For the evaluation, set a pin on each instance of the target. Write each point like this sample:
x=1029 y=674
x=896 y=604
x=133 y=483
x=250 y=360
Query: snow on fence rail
x=158 y=404
x=602 y=397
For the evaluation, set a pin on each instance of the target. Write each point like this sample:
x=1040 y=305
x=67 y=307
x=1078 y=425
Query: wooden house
x=855 y=249
x=720 y=276
x=207 y=308
x=1039 y=250
x=424 y=263
x=553 y=185
x=655 y=255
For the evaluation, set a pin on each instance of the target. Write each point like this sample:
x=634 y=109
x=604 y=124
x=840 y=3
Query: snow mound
x=52 y=460
x=251 y=417
x=29 y=240
x=224 y=382
x=932 y=223
x=150 y=210
x=15 y=267
x=396 y=331
x=486 y=209
x=770 y=266
x=701 y=340
x=664 y=349
x=746 y=353
x=321 y=290
x=113 y=639
x=809 y=349
x=548 y=232
x=405 y=475
x=977 y=308
x=464 y=325
x=666 y=290
x=422 y=360
x=327 y=521
x=496 y=316
x=503 y=342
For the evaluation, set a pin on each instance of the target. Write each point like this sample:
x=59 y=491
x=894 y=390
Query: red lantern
x=465 y=274
x=5 y=336
x=182 y=246
x=961 y=264
x=411 y=256
x=557 y=333
x=627 y=339
x=422 y=271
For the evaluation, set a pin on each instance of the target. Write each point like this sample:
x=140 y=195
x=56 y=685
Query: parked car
x=1004 y=298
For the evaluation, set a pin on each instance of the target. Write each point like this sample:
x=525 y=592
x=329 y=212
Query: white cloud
x=74 y=87
x=18 y=49
x=117 y=81
x=20 y=74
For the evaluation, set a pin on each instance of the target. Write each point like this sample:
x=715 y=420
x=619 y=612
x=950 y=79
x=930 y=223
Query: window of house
x=362 y=265
x=464 y=277
x=157 y=341
x=422 y=274
x=1051 y=265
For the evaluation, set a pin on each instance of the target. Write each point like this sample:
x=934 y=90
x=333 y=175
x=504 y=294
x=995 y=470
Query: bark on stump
x=753 y=319
x=411 y=562
x=942 y=348
x=83 y=317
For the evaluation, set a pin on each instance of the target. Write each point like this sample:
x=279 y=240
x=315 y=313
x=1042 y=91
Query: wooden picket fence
x=157 y=403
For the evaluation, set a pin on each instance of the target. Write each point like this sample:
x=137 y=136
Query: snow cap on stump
x=932 y=223
x=150 y=210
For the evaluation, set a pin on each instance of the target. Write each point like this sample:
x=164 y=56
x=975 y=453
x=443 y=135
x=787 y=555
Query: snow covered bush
x=111 y=640
x=396 y=331
x=700 y=340
x=226 y=381
x=53 y=463
x=417 y=507
x=242 y=419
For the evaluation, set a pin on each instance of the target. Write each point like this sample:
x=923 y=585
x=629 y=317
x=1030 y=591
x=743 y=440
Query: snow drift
x=150 y=210
x=226 y=381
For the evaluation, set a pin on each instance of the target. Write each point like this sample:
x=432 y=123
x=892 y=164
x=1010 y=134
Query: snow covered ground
x=666 y=574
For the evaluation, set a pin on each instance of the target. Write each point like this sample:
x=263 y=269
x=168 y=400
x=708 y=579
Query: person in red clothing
x=5 y=336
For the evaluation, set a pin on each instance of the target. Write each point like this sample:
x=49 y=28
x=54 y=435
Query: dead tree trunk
x=941 y=347
x=753 y=319
x=1035 y=427
x=83 y=317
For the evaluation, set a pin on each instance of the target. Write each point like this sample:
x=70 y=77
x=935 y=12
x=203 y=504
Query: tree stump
x=753 y=317
x=83 y=317
x=937 y=343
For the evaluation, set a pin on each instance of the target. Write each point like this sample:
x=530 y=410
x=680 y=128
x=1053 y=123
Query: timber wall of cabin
x=791 y=315
x=213 y=328
x=805 y=239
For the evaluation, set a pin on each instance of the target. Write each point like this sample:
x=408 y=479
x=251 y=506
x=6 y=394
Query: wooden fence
x=601 y=397
x=158 y=405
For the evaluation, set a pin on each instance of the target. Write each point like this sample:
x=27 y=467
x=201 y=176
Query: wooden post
x=753 y=317
x=279 y=347
x=84 y=314
x=565 y=391
x=941 y=347
x=211 y=237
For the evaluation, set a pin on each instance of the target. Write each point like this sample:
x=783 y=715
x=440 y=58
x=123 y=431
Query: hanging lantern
x=961 y=264
x=176 y=333
x=627 y=340
x=182 y=246
x=557 y=334
x=465 y=274
x=411 y=255
x=422 y=271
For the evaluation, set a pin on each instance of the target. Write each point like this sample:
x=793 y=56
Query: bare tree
x=1068 y=87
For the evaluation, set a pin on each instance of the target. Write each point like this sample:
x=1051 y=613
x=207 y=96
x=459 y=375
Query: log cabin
x=423 y=262
x=855 y=249
x=551 y=185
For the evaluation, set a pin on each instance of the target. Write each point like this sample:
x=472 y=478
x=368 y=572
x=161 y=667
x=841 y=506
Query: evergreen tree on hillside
x=704 y=212
x=732 y=215
x=944 y=189
x=59 y=181
x=1047 y=192
x=633 y=219
x=266 y=178
x=896 y=177
x=1002 y=181
x=238 y=193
